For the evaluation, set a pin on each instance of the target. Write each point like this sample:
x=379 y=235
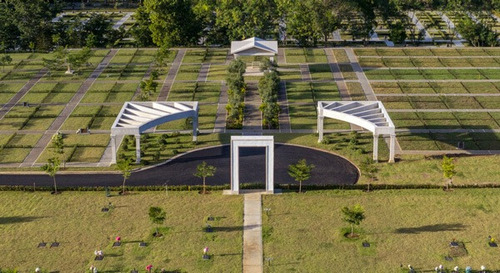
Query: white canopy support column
x=137 y=117
x=392 y=148
x=137 y=149
x=113 y=149
x=321 y=120
x=195 y=128
x=370 y=115
x=375 y=147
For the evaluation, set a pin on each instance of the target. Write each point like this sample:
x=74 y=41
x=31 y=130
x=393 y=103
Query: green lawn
x=304 y=232
x=75 y=220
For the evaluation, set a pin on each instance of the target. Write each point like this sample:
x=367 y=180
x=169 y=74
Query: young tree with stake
x=157 y=216
x=125 y=167
x=203 y=171
x=353 y=216
x=300 y=171
x=51 y=168
x=448 y=170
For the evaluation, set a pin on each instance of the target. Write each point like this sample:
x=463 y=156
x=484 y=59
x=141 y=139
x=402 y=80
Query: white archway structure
x=137 y=117
x=370 y=115
x=251 y=141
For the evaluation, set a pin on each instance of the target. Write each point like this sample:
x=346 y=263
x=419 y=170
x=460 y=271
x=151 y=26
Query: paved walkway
x=203 y=74
x=363 y=80
x=58 y=122
x=220 y=118
x=304 y=71
x=172 y=73
x=281 y=56
x=123 y=20
x=419 y=26
x=337 y=75
x=450 y=24
x=252 y=234
x=15 y=99
x=284 y=115
x=252 y=116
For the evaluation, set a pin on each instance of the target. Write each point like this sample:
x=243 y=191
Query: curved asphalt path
x=330 y=169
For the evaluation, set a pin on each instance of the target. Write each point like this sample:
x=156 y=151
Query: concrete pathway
x=123 y=20
x=172 y=73
x=107 y=156
x=252 y=116
x=281 y=56
x=363 y=80
x=419 y=26
x=203 y=74
x=284 y=115
x=58 y=122
x=229 y=58
x=15 y=99
x=304 y=71
x=220 y=118
x=336 y=35
x=337 y=75
x=252 y=234
x=450 y=24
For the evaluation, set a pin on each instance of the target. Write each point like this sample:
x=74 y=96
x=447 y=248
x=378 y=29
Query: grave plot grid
x=438 y=90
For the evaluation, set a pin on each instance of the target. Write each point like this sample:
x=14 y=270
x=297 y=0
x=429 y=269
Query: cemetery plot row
x=446 y=120
x=428 y=62
x=427 y=52
x=436 y=87
x=449 y=141
x=432 y=74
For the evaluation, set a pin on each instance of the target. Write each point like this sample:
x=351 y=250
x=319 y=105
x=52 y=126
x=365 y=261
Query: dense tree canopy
x=29 y=25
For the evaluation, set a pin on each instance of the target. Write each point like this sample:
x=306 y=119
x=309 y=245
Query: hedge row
x=285 y=187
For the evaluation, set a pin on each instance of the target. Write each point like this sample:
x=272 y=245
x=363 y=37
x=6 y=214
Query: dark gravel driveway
x=330 y=169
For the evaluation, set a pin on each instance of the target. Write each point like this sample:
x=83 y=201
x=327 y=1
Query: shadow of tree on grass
x=17 y=219
x=431 y=228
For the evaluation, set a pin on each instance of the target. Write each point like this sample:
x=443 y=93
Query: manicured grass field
x=75 y=220
x=304 y=232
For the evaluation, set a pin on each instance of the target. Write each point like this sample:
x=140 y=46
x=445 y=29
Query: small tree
x=125 y=167
x=300 y=172
x=448 y=170
x=203 y=171
x=369 y=169
x=58 y=142
x=5 y=60
x=353 y=216
x=157 y=216
x=51 y=168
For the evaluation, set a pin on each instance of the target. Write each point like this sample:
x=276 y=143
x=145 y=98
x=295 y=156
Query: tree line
x=29 y=24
